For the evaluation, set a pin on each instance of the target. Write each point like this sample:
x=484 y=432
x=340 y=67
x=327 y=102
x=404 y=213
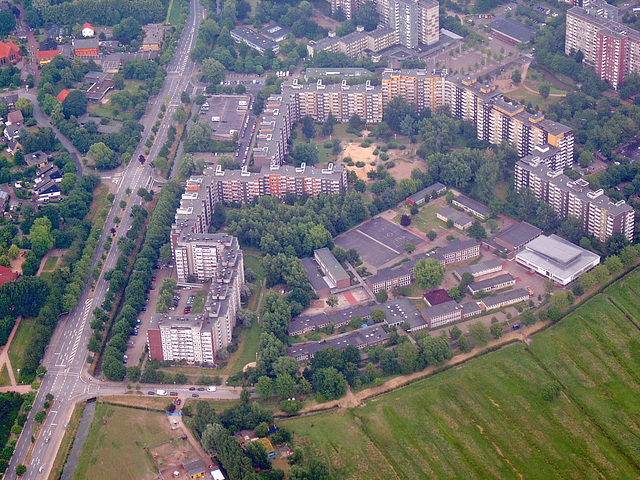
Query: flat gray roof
x=478 y=268
x=472 y=205
x=519 y=234
x=557 y=256
x=441 y=309
x=491 y=282
x=436 y=187
x=495 y=300
x=458 y=218
x=512 y=29
x=331 y=264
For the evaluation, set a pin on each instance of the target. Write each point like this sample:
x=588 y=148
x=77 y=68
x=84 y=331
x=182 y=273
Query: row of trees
x=157 y=235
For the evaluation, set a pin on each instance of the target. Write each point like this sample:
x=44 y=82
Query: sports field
x=488 y=418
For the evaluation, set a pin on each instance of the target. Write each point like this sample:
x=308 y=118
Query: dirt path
x=352 y=400
x=4 y=354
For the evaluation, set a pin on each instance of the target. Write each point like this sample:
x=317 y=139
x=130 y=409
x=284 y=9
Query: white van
x=211 y=389
x=161 y=392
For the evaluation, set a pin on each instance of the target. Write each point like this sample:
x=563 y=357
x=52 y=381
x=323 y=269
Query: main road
x=66 y=378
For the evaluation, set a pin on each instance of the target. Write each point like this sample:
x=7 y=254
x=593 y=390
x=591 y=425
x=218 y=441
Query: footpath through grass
x=119 y=442
x=5 y=380
x=489 y=419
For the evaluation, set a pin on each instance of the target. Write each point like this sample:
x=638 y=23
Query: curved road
x=65 y=360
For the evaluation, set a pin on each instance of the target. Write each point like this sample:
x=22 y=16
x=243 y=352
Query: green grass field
x=5 y=380
x=173 y=15
x=255 y=264
x=249 y=340
x=426 y=220
x=50 y=264
x=488 y=418
x=19 y=343
x=198 y=302
x=119 y=433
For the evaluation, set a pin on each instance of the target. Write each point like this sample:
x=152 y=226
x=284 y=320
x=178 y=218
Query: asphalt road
x=65 y=360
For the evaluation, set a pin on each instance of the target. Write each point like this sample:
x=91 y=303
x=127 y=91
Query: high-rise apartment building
x=205 y=256
x=599 y=216
x=415 y=21
x=611 y=47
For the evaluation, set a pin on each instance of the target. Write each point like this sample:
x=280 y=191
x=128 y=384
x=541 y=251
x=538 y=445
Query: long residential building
x=598 y=215
x=495 y=119
x=611 y=47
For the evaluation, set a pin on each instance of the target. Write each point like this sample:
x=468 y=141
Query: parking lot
x=136 y=344
x=378 y=241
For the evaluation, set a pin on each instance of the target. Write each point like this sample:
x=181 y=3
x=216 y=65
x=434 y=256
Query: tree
x=103 y=157
x=25 y=106
x=327 y=125
x=180 y=115
x=454 y=293
x=382 y=296
x=435 y=350
x=628 y=255
x=40 y=235
x=377 y=316
x=75 y=104
x=258 y=455
x=463 y=344
x=308 y=128
x=305 y=153
x=613 y=264
x=285 y=386
x=516 y=76
x=7 y=25
x=332 y=301
x=528 y=318
x=13 y=251
x=213 y=71
x=479 y=333
x=68 y=182
x=329 y=384
x=184 y=97
x=265 y=386
x=544 y=90
x=477 y=231
x=615 y=243
x=355 y=122
x=455 y=333
x=407 y=357
x=466 y=280
x=428 y=273
x=409 y=247
x=496 y=330
x=405 y=220
x=21 y=470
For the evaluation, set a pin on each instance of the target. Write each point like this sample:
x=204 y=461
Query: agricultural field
x=489 y=418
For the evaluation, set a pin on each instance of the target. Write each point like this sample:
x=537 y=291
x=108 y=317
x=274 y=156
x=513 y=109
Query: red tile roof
x=8 y=49
x=6 y=275
x=87 y=25
x=47 y=54
x=436 y=297
x=62 y=95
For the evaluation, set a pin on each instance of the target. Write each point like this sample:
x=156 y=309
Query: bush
x=550 y=391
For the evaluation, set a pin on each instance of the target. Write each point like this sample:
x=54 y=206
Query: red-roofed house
x=88 y=30
x=15 y=118
x=45 y=56
x=62 y=95
x=6 y=275
x=9 y=54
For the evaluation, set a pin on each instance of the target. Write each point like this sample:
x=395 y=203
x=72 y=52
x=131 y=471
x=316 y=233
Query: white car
x=162 y=393
x=211 y=389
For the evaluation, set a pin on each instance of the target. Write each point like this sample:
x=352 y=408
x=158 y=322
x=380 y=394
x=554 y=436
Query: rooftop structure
x=226 y=114
x=153 y=37
x=419 y=198
x=471 y=206
x=491 y=284
x=511 y=30
x=389 y=278
x=460 y=220
x=457 y=251
x=317 y=281
x=337 y=275
x=479 y=269
x=443 y=313
x=276 y=32
x=305 y=324
x=436 y=297
x=517 y=236
x=360 y=339
x=254 y=39
x=402 y=310
x=557 y=259
x=503 y=299
x=315 y=73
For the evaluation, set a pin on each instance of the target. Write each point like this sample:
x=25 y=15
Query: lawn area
x=324 y=154
x=488 y=418
x=18 y=346
x=535 y=99
x=118 y=433
x=425 y=220
x=198 y=302
x=99 y=201
x=246 y=353
x=5 y=380
x=50 y=264
x=173 y=15
x=255 y=264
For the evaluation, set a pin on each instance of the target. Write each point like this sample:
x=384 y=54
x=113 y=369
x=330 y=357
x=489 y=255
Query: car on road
x=173 y=394
x=161 y=392
x=151 y=393
x=192 y=389
x=211 y=389
x=201 y=389
x=194 y=395
x=516 y=326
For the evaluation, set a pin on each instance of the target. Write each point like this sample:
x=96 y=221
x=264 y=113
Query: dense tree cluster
x=296 y=230
x=9 y=75
x=10 y=403
x=101 y=12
